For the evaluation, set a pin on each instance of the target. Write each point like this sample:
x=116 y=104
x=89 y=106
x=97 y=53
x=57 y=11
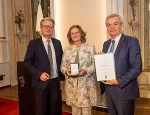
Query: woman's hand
x=82 y=72
x=67 y=72
x=62 y=83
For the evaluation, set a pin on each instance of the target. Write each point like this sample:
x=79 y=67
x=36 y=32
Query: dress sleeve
x=65 y=62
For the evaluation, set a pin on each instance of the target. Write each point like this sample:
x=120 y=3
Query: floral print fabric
x=80 y=91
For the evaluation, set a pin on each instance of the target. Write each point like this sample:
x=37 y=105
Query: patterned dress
x=80 y=91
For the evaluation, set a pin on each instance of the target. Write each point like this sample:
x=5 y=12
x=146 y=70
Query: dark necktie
x=112 y=46
x=50 y=58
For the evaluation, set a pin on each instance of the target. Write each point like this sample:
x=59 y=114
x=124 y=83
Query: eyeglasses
x=74 y=33
x=47 y=27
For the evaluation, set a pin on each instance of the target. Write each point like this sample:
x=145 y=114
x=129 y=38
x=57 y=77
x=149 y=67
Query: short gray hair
x=114 y=15
x=48 y=19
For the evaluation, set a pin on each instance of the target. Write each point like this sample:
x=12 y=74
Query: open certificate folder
x=105 y=66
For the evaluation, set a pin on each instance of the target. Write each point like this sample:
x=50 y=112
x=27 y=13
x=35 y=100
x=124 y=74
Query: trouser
x=81 y=111
x=48 y=101
x=117 y=105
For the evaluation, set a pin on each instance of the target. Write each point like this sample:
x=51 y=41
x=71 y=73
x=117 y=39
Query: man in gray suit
x=43 y=59
x=121 y=93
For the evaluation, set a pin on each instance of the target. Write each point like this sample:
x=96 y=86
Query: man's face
x=47 y=28
x=114 y=28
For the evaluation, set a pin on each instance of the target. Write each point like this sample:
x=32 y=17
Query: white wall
x=87 y=13
x=90 y=14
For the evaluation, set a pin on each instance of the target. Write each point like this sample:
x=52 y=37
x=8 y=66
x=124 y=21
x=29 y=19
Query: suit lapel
x=107 y=46
x=43 y=48
x=119 y=45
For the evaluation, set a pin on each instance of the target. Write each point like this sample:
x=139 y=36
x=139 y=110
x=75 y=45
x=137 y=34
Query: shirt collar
x=117 y=38
x=45 y=40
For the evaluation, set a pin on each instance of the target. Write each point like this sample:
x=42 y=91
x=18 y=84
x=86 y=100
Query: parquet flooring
x=142 y=105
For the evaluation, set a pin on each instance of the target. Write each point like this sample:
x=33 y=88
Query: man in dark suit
x=43 y=59
x=122 y=91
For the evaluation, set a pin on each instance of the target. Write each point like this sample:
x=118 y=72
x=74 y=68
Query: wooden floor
x=142 y=105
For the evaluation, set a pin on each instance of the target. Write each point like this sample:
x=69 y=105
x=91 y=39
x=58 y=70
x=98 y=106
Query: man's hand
x=45 y=76
x=82 y=72
x=110 y=82
x=100 y=52
x=62 y=83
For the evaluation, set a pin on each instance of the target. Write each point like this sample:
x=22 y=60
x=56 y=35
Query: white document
x=74 y=69
x=105 y=66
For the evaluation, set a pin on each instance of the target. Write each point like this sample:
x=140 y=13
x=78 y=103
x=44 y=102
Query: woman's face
x=75 y=35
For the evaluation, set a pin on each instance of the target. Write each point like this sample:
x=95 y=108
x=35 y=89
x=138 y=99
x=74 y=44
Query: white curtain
x=114 y=6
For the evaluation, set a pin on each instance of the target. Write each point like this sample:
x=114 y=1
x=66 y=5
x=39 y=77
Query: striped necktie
x=50 y=58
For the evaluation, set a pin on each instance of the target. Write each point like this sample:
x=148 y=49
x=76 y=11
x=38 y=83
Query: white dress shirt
x=55 y=71
x=116 y=43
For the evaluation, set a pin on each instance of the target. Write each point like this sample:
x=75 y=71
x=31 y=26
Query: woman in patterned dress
x=81 y=89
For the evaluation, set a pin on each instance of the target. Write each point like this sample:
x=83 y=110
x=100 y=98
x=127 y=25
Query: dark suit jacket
x=128 y=66
x=37 y=61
